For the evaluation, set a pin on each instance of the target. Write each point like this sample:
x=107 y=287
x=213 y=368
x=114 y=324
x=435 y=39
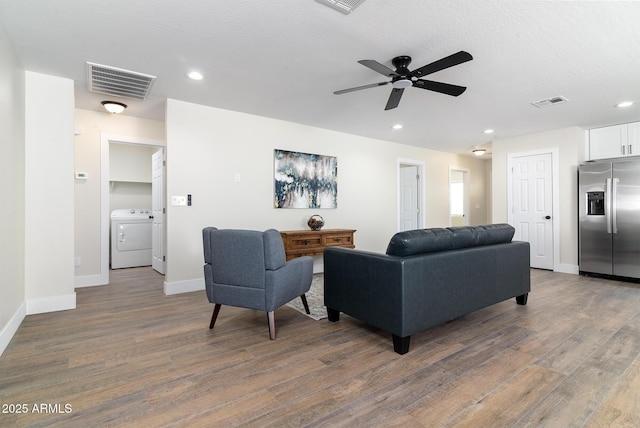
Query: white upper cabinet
x=614 y=141
x=633 y=139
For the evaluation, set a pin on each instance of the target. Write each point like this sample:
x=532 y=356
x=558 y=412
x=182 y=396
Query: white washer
x=131 y=238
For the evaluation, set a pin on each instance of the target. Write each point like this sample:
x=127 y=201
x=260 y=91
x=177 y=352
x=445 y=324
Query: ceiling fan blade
x=443 y=88
x=377 y=67
x=441 y=64
x=357 y=88
x=394 y=98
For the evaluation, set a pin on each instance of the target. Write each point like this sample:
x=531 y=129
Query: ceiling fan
x=403 y=78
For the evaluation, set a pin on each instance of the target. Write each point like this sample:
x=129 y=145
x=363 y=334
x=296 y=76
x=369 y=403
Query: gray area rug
x=315 y=299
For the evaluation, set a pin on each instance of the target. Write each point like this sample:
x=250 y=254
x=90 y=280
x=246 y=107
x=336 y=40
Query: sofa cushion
x=421 y=241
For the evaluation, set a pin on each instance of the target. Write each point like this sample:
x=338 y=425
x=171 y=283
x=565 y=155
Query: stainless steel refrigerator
x=609 y=214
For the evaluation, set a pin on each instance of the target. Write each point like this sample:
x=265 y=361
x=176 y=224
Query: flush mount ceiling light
x=625 y=104
x=195 y=75
x=479 y=151
x=488 y=131
x=397 y=126
x=114 y=106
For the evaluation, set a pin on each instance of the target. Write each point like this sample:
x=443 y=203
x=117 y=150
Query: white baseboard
x=567 y=268
x=88 y=281
x=9 y=330
x=51 y=304
x=188 y=286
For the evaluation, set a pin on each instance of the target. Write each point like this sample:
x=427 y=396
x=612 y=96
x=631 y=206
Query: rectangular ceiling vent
x=344 y=6
x=550 y=101
x=104 y=79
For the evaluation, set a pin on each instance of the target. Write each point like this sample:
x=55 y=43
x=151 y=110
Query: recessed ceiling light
x=195 y=75
x=488 y=131
x=397 y=126
x=625 y=104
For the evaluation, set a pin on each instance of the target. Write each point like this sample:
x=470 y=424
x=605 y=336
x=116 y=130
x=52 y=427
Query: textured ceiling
x=283 y=59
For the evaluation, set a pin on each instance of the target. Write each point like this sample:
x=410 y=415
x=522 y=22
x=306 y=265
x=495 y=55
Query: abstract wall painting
x=304 y=180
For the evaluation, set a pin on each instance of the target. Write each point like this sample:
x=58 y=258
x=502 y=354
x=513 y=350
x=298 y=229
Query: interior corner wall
x=224 y=160
x=12 y=161
x=49 y=284
x=569 y=142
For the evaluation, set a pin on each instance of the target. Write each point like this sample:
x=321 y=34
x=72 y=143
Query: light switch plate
x=179 y=201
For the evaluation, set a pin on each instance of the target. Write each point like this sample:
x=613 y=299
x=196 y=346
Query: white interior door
x=158 y=210
x=409 y=211
x=532 y=206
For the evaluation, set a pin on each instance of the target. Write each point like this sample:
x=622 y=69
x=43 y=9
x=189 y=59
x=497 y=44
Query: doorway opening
x=411 y=207
x=458 y=197
x=148 y=192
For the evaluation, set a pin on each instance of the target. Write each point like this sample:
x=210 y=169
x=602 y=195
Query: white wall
x=48 y=194
x=570 y=143
x=12 y=176
x=91 y=125
x=206 y=147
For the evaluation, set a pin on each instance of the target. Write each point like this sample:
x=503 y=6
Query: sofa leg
x=214 y=316
x=401 y=344
x=333 y=315
x=522 y=300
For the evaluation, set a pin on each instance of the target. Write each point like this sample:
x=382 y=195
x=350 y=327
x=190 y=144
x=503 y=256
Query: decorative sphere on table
x=316 y=222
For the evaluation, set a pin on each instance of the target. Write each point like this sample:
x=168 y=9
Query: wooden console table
x=298 y=243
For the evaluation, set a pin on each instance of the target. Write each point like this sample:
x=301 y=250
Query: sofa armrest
x=291 y=280
x=365 y=285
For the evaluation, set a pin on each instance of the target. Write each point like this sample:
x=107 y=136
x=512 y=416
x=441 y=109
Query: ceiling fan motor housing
x=401 y=63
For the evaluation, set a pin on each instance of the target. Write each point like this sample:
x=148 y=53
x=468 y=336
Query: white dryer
x=131 y=238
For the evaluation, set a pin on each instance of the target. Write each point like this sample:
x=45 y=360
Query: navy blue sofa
x=427 y=277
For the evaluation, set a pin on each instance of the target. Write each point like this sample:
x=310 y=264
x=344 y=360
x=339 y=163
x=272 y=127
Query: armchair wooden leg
x=214 y=317
x=272 y=325
x=304 y=302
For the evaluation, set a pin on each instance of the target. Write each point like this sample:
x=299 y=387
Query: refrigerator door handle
x=607 y=207
x=614 y=196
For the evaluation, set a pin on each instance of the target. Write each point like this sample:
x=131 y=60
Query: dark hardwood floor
x=131 y=356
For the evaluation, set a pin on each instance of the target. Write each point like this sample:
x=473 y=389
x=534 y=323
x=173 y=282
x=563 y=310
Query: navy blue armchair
x=248 y=269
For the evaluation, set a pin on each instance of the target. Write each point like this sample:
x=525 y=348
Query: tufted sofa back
x=412 y=242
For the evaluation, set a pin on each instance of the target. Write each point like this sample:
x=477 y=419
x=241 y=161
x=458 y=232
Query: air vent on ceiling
x=549 y=102
x=116 y=81
x=344 y=6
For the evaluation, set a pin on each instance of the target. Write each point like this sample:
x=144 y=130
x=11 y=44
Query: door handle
x=547 y=217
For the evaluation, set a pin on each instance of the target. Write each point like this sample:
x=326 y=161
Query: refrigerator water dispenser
x=595 y=203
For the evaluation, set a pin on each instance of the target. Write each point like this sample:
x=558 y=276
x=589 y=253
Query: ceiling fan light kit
x=403 y=78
